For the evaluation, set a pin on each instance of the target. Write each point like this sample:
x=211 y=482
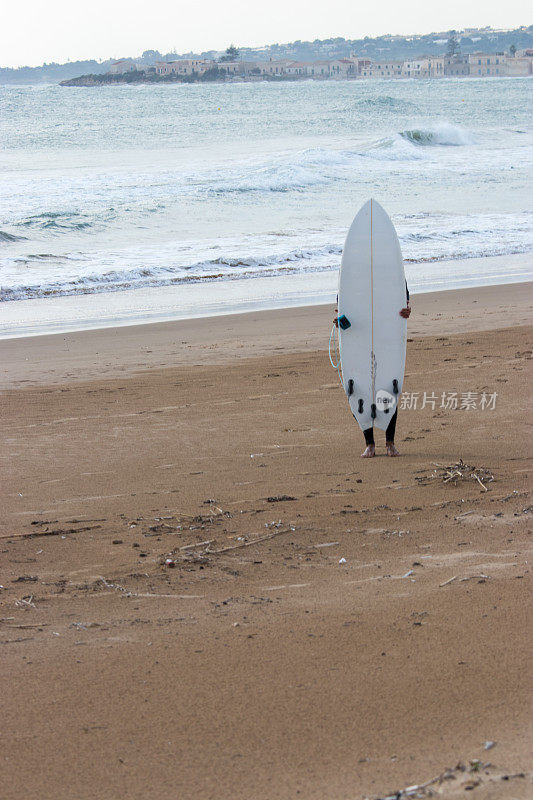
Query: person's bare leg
x=370 y=451
x=391 y=449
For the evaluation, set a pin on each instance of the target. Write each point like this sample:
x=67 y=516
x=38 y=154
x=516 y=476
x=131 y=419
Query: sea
x=203 y=192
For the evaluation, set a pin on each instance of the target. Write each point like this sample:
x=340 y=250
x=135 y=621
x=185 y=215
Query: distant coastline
x=381 y=48
x=473 y=65
x=137 y=77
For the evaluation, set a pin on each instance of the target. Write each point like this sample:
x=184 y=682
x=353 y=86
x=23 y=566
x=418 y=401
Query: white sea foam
x=424 y=239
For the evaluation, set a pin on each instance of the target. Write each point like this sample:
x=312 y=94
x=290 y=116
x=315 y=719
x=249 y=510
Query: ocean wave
x=386 y=102
x=411 y=144
x=423 y=238
x=439 y=135
x=393 y=148
x=57 y=221
x=10 y=237
x=223 y=267
x=36 y=258
x=320 y=166
x=281 y=178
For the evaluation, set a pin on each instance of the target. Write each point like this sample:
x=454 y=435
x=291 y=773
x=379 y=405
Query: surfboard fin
x=395 y=386
x=360 y=409
x=373 y=411
x=349 y=390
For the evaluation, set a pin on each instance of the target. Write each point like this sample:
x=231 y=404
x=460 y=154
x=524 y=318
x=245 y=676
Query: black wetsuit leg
x=369 y=436
x=391 y=428
x=389 y=434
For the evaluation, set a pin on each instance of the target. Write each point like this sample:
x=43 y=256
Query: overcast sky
x=35 y=31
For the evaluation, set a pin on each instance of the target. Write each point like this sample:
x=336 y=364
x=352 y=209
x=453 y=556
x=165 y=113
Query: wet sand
x=326 y=627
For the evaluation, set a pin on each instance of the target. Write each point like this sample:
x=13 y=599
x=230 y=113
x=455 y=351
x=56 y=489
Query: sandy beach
x=206 y=593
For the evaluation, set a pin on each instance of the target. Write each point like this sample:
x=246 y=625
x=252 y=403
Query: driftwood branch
x=248 y=544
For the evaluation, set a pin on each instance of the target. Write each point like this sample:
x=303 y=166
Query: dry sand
x=328 y=627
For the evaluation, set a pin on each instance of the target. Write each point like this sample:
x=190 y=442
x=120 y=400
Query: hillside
x=383 y=47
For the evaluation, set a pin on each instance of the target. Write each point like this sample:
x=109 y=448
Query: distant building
x=456 y=65
x=520 y=67
x=482 y=64
x=429 y=67
x=460 y=65
x=297 y=68
x=274 y=67
x=322 y=69
x=364 y=66
x=383 y=69
x=343 y=68
x=184 y=66
x=125 y=65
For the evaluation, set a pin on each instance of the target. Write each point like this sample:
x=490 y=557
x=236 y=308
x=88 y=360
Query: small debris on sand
x=453 y=473
x=454 y=782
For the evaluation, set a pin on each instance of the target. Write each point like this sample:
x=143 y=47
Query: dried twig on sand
x=25 y=602
x=453 y=473
x=194 y=545
x=250 y=543
x=57 y=532
x=450 y=580
x=207 y=551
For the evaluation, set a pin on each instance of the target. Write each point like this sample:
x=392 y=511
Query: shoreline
x=330 y=626
x=109 y=352
x=150 y=305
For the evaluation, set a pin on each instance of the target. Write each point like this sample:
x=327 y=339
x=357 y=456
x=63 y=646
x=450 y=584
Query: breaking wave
x=443 y=134
x=105 y=199
x=226 y=268
x=424 y=238
x=320 y=166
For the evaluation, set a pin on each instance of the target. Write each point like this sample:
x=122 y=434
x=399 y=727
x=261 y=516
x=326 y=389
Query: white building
x=385 y=69
x=184 y=66
x=343 y=68
x=125 y=65
x=429 y=67
x=275 y=67
x=297 y=68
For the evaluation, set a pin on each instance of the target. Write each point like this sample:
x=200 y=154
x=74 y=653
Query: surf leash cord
x=333 y=340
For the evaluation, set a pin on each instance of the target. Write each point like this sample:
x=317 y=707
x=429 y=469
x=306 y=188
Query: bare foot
x=391 y=449
x=370 y=451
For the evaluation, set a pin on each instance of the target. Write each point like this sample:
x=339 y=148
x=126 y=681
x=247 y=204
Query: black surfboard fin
x=349 y=390
x=360 y=409
x=373 y=411
x=395 y=386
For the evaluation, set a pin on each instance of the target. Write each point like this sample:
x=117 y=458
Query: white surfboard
x=372 y=292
